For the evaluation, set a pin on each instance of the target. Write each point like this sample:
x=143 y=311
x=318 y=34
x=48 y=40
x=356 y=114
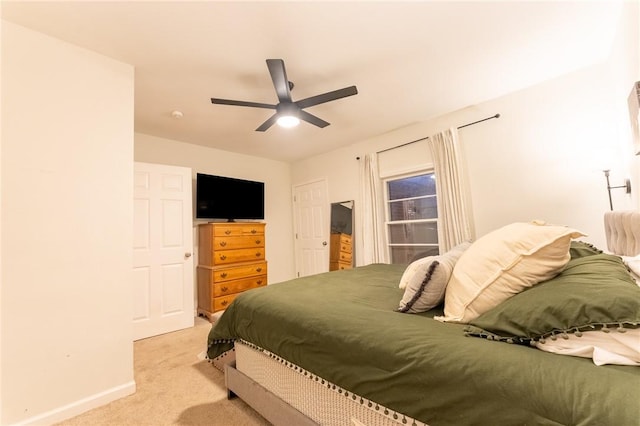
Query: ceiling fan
x=289 y=112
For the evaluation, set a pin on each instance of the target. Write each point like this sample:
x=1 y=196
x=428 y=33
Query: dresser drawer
x=346 y=247
x=237 y=229
x=226 y=257
x=238 y=286
x=211 y=275
x=341 y=239
x=341 y=257
x=231 y=243
x=220 y=303
x=334 y=266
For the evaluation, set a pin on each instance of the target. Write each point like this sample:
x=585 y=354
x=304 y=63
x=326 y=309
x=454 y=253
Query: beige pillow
x=503 y=263
x=425 y=280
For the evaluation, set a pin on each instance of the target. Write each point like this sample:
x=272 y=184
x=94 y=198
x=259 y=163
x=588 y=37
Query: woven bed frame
x=285 y=394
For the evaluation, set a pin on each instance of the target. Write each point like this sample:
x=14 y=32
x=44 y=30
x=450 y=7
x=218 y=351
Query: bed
x=343 y=348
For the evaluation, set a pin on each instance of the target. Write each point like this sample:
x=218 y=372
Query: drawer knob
x=228 y=231
x=223 y=243
x=258 y=254
x=258 y=269
x=224 y=303
x=259 y=282
x=223 y=257
x=224 y=289
x=258 y=241
x=223 y=275
x=253 y=231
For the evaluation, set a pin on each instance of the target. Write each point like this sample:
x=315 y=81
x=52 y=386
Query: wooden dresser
x=231 y=259
x=340 y=252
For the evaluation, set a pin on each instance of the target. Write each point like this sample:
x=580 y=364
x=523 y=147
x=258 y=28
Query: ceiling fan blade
x=310 y=118
x=326 y=97
x=279 y=78
x=270 y=122
x=241 y=103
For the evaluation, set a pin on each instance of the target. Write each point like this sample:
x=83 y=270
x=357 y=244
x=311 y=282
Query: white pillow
x=633 y=263
x=503 y=263
x=603 y=347
x=425 y=280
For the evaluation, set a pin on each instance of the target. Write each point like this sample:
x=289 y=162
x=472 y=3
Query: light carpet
x=173 y=387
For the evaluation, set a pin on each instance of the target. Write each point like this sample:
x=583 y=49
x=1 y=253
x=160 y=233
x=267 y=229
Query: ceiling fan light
x=288 y=121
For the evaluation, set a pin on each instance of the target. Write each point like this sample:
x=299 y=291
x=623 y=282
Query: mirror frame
x=342 y=235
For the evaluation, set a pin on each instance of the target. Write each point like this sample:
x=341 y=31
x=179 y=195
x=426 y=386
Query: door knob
x=187 y=255
x=324 y=243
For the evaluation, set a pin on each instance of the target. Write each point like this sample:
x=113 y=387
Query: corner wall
x=1 y=22
x=66 y=219
x=275 y=174
x=543 y=159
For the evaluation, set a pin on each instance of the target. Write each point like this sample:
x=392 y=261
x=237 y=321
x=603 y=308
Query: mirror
x=341 y=255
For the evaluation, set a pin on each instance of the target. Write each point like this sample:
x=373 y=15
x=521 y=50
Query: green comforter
x=343 y=327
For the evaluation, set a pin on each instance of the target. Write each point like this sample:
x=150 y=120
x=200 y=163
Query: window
x=412 y=217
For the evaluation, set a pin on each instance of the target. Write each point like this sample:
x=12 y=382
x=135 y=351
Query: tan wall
x=66 y=173
x=542 y=159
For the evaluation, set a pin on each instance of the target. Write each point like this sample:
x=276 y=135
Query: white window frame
x=388 y=220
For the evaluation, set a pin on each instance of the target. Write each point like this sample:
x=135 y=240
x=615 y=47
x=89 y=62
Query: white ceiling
x=411 y=61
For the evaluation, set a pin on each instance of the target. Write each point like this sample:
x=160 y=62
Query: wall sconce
x=627 y=186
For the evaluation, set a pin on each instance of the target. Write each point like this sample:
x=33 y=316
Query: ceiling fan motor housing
x=287 y=108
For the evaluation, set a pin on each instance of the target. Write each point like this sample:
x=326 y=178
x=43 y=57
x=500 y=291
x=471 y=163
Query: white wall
x=66 y=173
x=626 y=53
x=542 y=159
x=275 y=175
x=1 y=22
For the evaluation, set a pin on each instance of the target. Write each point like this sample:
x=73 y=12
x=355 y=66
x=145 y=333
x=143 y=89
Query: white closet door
x=311 y=212
x=162 y=250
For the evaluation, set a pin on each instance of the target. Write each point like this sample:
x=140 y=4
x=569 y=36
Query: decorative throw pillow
x=503 y=263
x=425 y=280
x=591 y=293
x=415 y=272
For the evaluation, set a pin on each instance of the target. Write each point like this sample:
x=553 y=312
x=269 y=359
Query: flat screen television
x=219 y=197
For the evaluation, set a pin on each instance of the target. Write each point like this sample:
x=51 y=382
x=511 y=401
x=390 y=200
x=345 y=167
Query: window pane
x=410 y=187
x=420 y=208
x=413 y=233
x=406 y=255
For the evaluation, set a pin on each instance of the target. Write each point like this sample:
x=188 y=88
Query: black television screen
x=219 y=197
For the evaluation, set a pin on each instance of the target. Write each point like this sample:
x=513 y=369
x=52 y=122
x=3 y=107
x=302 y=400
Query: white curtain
x=454 y=209
x=374 y=249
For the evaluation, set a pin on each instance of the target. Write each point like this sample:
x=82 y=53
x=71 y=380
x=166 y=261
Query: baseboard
x=78 y=407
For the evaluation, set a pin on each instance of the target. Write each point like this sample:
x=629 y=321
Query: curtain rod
x=427 y=137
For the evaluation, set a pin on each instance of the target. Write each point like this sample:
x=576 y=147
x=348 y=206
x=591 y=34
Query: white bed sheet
x=613 y=347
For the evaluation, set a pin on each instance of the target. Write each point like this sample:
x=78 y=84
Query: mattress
x=322 y=401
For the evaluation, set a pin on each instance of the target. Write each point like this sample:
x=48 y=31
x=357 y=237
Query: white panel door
x=311 y=212
x=162 y=250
